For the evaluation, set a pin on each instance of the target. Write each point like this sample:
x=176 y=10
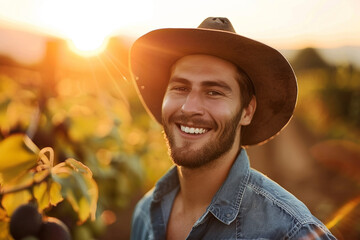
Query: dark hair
x=247 y=89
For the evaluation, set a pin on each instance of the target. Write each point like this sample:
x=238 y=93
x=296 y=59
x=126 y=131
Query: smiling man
x=216 y=92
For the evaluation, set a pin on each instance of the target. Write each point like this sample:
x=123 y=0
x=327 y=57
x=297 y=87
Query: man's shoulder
x=279 y=209
x=262 y=186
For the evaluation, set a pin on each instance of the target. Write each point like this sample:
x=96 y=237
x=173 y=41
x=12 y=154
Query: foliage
x=29 y=174
x=80 y=117
x=329 y=100
x=329 y=107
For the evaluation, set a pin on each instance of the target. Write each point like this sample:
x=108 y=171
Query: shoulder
x=260 y=186
x=141 y=222
x=280 y=210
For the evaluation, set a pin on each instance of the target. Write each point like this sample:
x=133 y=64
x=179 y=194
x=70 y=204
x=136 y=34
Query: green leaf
x=4 y=231
x=15 y=157
x=79 y=167
x=42 y=196
x=78 y=187
x=12 y=201
x=22 y=181
x=47 y=193
x=84 y=209
x=55 y=193
x=3 y=215
x=70 y=196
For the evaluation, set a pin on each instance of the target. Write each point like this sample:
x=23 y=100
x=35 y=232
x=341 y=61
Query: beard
x=212 y=150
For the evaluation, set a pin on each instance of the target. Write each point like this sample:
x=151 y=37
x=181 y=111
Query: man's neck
x=198 y=186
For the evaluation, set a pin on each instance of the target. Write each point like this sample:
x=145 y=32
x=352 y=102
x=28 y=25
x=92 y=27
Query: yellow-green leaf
x=84 y=209
x=93 y=193
x=55 y=193
x=3 y=215
x=77 y=186
x=15 y=157
x=20 y=182
x=42 y=195
x=13 y=200
x=78 y=166
x=72 y=200
x=4 y=231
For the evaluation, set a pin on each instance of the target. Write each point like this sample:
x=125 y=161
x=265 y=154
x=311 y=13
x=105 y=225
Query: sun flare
x=87 y=46
x=89 y=24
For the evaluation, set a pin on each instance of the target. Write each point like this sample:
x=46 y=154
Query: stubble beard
x=186 y=157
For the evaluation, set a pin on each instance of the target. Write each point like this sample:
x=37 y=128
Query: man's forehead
x=202 y=58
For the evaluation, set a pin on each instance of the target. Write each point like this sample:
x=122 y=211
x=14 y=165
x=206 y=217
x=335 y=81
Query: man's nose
x=193 y=104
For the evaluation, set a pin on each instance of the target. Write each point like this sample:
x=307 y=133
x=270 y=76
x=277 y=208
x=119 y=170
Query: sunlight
x=89 y=24
x=343 y=212
x=87 y=46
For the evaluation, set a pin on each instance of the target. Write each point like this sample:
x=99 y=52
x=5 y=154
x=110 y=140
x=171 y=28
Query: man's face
x=201 y=110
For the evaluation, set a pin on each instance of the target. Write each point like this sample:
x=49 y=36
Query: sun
x=88 y=46
x=88 y=25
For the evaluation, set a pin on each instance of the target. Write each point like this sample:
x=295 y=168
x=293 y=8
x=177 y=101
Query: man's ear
x=248 y=112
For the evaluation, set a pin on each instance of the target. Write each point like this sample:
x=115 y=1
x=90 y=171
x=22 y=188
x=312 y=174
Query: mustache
x=183 y=119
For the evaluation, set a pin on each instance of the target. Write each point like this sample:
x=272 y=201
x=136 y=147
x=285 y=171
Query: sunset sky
x=279 y=23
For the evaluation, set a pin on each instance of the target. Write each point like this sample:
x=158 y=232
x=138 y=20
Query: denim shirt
x=247 y=206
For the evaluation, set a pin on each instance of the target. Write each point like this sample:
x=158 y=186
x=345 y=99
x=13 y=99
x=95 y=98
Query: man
x=216 y=92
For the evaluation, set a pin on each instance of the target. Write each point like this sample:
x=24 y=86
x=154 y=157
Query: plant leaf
x=12 y=201
x=78 y=167
x=42 y=195
x=20 y=182
x=4 y=231
x=3 y=215
x=84 y=209
x=77 y=186
x=16 y=157
x=55 y=193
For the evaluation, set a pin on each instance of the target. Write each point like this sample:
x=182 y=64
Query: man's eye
x=179 y=89
x=215 y=93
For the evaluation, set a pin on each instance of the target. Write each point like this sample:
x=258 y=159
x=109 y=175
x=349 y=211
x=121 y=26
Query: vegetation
x=329 y=97
x=74 y=143
x=329 y=107
x=77 y=146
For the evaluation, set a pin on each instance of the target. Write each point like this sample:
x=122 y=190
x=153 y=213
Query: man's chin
x=190 y=158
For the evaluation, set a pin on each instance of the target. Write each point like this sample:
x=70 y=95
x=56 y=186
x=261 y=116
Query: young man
x=215 y=92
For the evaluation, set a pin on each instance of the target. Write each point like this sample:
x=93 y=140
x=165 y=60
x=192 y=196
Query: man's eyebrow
x=209 y=83
x=179 y=80
x=217 y=83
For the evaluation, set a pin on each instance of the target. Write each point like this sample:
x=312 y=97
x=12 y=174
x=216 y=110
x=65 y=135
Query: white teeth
x=192 y=130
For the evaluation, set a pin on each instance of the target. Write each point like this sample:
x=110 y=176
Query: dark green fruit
x=30 y=238
x=25 y=221
x=54 y=229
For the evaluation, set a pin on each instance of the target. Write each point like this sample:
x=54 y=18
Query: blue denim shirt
x=247 y=206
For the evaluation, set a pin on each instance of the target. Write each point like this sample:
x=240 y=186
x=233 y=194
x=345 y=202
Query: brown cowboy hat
x=153 y=54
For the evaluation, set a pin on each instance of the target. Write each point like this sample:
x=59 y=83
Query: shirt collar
x=166 y=184
x=225 y=204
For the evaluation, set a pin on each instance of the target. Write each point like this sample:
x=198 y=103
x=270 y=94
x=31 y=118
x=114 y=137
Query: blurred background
x=64 y=81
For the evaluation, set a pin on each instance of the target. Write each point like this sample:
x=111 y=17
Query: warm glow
x=343 y=212
x=87 y=46
x=89 y=24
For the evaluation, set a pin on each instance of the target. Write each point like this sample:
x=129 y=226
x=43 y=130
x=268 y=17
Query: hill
x=335 y=56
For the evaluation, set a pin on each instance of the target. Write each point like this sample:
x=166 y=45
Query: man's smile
x=193 y=130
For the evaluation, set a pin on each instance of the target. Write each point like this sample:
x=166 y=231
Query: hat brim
x=153 y=54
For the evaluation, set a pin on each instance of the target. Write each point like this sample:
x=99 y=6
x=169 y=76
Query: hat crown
x=217 y=23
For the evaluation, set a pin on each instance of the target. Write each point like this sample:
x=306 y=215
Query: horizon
x=281 y=24
x=13 y=39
